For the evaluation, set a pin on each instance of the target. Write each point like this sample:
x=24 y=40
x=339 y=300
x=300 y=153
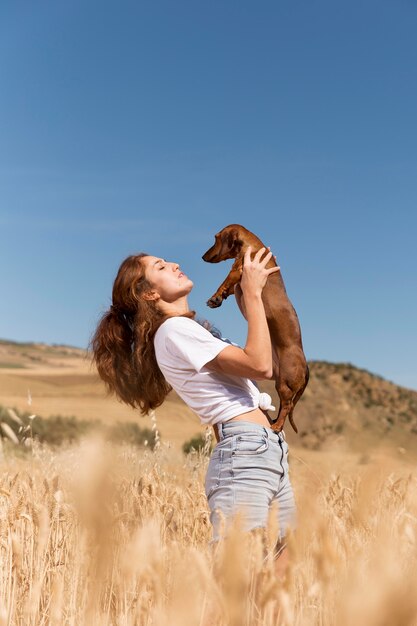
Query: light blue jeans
x=247 y=472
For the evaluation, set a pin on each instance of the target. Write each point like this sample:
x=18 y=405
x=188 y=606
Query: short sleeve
x=189 y=341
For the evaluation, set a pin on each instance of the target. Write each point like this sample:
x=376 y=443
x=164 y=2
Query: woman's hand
x=255 y=359
x=255 y=273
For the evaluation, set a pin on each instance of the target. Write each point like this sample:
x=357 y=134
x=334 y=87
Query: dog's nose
x=207 y=256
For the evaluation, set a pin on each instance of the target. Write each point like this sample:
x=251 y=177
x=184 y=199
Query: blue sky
x=151 y=125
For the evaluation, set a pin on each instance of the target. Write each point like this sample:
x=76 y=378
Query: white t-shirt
x=182 y=348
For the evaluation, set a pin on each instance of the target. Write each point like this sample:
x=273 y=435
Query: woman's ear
x=151 y=295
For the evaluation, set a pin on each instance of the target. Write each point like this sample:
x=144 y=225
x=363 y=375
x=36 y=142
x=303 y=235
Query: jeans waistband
x=229 y=429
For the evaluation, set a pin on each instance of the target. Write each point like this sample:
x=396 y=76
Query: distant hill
x=342 y=402
x=25 y=354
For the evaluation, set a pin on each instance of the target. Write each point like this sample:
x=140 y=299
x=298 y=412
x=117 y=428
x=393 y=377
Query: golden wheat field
x=98 y=534
x=103 y=534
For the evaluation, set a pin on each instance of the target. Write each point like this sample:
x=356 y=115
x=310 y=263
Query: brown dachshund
x=290 y=370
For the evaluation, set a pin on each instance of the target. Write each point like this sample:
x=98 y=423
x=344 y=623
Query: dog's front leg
x=227 y=287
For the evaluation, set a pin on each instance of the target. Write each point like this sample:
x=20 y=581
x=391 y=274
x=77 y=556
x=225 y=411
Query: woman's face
x=166 y=278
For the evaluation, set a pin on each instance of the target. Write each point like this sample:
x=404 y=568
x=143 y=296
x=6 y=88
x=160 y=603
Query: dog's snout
x=209 y=256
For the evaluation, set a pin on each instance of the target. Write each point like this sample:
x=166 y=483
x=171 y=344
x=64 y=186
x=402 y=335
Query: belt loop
x=217 y=432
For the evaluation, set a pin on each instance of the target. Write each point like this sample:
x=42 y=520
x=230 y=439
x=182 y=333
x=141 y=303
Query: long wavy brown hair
x=122 y=345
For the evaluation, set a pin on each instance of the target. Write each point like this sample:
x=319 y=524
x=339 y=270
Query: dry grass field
x=98 y=534
x=103 y=535
x=62 y=381
x=341 y=402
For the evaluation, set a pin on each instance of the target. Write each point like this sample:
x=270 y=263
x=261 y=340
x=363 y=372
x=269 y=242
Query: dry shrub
x=107 y=535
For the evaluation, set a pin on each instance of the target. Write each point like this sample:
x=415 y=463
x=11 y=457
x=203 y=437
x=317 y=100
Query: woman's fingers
x=266 y=258
x=255 y=272
x=258 y=255
x=263 y=261
x=247 y=254
x=262 y=252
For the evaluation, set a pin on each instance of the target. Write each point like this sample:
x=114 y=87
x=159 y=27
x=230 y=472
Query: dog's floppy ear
x=237 y=247
x=233 y=242
x=231 y=238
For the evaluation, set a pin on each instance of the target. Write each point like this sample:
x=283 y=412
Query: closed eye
x=160 y=262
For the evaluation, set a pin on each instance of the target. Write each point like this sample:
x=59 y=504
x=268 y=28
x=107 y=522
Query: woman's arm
x=255 y=359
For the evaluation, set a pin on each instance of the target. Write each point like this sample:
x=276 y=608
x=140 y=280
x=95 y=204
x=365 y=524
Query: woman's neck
x=172 y=309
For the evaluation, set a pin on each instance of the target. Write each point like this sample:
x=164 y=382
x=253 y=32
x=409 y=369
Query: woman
x=148 y=343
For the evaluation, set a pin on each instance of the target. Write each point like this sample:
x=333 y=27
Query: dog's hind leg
x=285 y=410
x=286 y=405
x=288 y=397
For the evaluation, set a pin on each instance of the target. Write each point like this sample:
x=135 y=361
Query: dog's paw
x=215 y=302
x=277 y=426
